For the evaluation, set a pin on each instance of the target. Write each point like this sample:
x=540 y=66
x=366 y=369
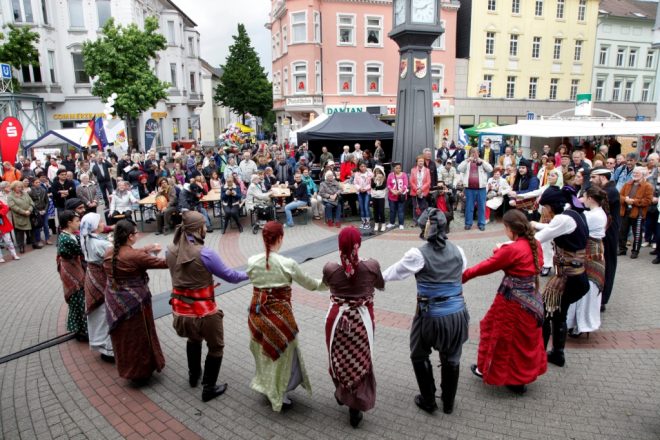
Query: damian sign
x=11 y=131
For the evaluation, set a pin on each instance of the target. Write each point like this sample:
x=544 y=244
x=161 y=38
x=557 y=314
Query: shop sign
x=77 y=116
x=159 y=115
x=442 y=107
x=304 y=101
x=391 y=110
x=330 y=109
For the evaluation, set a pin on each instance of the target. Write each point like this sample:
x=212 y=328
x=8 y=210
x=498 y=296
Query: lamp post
x=416 y=26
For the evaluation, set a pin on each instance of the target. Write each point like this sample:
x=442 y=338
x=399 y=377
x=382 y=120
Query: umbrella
x=244 y=128
x=474 y=131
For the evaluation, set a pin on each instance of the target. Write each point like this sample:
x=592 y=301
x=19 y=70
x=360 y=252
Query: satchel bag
x=36 y=220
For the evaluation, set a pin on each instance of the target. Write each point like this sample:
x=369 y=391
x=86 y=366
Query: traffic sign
x=5 y=71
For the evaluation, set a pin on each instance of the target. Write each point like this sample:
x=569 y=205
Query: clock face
x=399 y=11
x=423 y=11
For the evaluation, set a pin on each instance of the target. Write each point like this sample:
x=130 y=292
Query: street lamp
x=416 y=26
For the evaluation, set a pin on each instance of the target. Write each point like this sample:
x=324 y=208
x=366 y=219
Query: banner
x=150 y=133
x=11 y=131
x=115 y=131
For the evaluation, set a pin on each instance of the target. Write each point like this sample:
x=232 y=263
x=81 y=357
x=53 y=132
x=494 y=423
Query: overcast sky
x=217 y=21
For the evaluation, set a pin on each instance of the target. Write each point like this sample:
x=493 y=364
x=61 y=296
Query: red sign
x=11 y=131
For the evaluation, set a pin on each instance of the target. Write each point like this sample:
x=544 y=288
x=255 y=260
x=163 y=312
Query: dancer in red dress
x=511 y=350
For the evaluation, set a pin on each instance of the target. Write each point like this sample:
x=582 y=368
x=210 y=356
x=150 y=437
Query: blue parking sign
x=6 y=71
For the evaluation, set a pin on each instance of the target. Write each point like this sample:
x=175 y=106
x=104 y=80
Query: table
x=147 y=203
x=279 y=192
x=347 y=188
x=213 y=197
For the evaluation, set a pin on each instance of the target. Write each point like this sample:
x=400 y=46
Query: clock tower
x=416 y=27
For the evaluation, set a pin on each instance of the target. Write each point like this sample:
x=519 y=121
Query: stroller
x=260 y=215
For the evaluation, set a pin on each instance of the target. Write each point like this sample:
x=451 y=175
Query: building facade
x=214 y=118
x=625 y=63
x=335 y=56
x=65 y=87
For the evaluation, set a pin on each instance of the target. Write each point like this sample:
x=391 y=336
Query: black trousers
x=379 y=210
x=610 y=246
x=231 y=213
x=106 y=188
x=576 y=287
x=628 y=223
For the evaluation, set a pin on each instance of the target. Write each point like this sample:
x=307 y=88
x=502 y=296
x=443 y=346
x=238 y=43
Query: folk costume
x=274 y=342
x=511 y=350
x=71 y=267
x=441 y=318
x=569 y=232
x=349 y=324
x=196 y=314
x=94 y=247
x=129 y=313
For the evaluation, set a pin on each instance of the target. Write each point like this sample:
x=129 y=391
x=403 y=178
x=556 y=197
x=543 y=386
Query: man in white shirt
x=247 y=167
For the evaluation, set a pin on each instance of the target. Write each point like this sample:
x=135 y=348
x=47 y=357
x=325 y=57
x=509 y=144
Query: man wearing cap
x=600 y=177
x=196 y=314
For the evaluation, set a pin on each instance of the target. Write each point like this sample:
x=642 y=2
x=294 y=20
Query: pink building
x=335 y=56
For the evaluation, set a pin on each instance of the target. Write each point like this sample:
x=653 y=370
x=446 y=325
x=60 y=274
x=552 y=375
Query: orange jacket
x=641 y=202
x=11 y=175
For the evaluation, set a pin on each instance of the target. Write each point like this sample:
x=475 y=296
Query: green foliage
x=119 y=63
x=18 y=48
x=244 y=86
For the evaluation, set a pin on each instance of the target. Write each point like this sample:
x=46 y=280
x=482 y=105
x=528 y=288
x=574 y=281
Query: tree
x=118 y=62
x=244 y=86
x=19 y=48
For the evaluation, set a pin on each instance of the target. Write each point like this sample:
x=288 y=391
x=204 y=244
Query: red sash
x=195 y=303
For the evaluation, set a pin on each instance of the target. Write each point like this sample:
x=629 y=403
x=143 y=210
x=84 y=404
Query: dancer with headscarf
x=511 y=351
x=349 y=325
x=196 y=314
x=569 y=232
x=274 y=342
x=94 y=246
x=441 y=317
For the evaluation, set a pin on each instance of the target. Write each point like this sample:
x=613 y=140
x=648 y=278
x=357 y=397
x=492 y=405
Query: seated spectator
x=121 y=204
x=300 y=197
x=330 y=192
x=166 y=206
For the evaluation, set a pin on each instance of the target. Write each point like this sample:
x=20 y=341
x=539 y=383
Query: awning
x=475 y=131
x=65 y=136
x=549 y=128
x=293 y=136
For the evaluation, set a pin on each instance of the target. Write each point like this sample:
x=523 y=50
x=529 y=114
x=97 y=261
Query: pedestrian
x=441 y=317
x=397 y=194
x=273 y=327
x=378 y=194
x=21 y=206
x=511 y=351
x=420 y=187
x=196 y=314
x=5 y=232
x=636 y=197
x=349 y=325
x=128 y=299
x=362 y=182
x=475 y=179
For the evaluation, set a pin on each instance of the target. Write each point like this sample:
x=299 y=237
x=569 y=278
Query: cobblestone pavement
x=608 y=389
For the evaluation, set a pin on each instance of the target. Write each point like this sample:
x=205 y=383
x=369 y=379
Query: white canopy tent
x=293 y=136
x=549 y=128
x=65 y=136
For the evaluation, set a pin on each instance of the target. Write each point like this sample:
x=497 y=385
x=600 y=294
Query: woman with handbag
x=21 y=206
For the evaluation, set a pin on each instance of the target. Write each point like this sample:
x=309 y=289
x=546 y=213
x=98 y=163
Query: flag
x=89 y=133
x=462 y=137
x=99 y=134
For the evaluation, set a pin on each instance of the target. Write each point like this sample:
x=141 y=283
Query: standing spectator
x=636 y=197
x=21 y=206
x=231 y=167
x=561 y=151
x=378 y=193
x=475 y=178
x=379 y=153
x=488 y=154
x=652 y=214
x=231 y=201
x=362 y=182
x=397 y=190
x=62 y=190
x=368 y=159
x=247 y=167
x=9 y=173
x=430 y=164
x=69 y=163
x=283 y=171
x=39 y=196
x=623 y=173
x=345 y=154
x=420 y=186
x=86 y=192
x=326 y=156
x=5 y=232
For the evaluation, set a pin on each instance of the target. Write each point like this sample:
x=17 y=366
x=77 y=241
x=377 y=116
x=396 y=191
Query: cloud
x=217 y=22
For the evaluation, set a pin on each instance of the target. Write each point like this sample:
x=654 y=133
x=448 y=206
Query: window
x=515 y=6
x=554 y=82
x=346 y=30
x=538 y=8
x=649 y=59
x=286 y=81
x=492 y=5
x=602 y=55
x=582 y=9
x=171 y=35
x=533 y=84
x=536 y=48
x=620 y=56
x=79 y=69
x=299 y=72
x=317 y=27
x=299 y=27
x=374 y=31
x=346 y=76
x=488 y=86
x=44 y=11
x=577 y=55
x=51 y=66
x=276 y=49
x=22 y=11
x=374 y=72
x=104 y=11
x=616 y=90
x=510 y=87
x=632 y=58
x=556 y=53
x=646 y=91
x=285 y=38
x=193 y=89
x=317 y=71
x=176 y=128
x=437 y=78
x=191 y=46
x=76 y=17
x=439 y=43
x=513 y=45
x=31 y=74
x=173 y=75
x=575 y=83
x=600 y=89
x=560 y=9
x=628 y=90
x=490 y=43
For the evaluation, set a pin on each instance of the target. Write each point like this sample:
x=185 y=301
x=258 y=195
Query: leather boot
x=355 y=417
x=449 y=385
x=194 y=352
x=211 y=371
x=547 y=330
x=424 y=374
x=556 y=355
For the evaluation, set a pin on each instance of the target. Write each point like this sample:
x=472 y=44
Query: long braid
x=530 y=235
x=123 y=230
x=115 y=253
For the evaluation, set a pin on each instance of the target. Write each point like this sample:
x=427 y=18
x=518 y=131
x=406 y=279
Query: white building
x=66 y=89
x=214 y=118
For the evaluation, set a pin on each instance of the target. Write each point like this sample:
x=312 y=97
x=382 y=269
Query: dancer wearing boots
x=196 y=314
x=569 y=231
x=441 y=318
x=511 y=351
x=349 y=325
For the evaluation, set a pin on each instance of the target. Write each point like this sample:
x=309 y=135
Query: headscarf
x=88 y=225
x=434 y=225
x=191 y=226
x=350 y=240
x=572 y=198
x=73 y=203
